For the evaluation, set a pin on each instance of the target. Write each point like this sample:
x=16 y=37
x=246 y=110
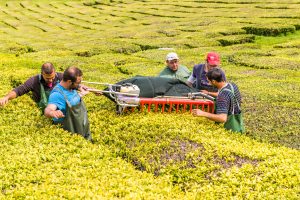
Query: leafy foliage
x=240 y=39
x=152 y=155
x=266 y=31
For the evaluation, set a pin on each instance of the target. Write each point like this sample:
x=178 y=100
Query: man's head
x=172 y=61
x=212 y=60
x=48 y=73
x=72 y=76
x=215 y=75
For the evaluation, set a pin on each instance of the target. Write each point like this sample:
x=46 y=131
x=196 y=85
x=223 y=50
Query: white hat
x=172 y=56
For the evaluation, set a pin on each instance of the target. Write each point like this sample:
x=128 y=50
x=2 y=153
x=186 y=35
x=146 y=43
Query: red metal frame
x=203 y=104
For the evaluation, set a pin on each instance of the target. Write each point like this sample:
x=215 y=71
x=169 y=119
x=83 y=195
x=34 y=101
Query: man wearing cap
x=198 y=78
x=174 y=69
x=40 y=85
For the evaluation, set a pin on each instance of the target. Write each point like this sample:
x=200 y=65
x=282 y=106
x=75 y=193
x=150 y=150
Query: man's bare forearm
x=11 y=95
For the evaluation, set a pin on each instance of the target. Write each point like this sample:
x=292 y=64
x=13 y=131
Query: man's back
x=225 y=97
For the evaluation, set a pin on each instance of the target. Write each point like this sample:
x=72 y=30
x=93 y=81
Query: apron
x=234 y=121
x=42 y=104
x=76 y=118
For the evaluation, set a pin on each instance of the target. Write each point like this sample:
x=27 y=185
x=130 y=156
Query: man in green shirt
x=174 y=69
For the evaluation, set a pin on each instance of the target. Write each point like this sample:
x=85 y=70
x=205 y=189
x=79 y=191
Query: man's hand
x=189 y=83
x=52 y=111
x=198 y=112
x=214 y=117
x=57 y=114
x=83 y=87
x=11 y=95
x=83 y=93
x=98 y=93
x=4 y=101
x=213 y=94
x=95 y=91
x=204 y=91
x=83 y=90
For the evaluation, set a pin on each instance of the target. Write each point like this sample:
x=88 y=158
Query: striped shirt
x=224 y=104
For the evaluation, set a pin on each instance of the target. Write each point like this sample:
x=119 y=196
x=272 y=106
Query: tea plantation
x=143 y=155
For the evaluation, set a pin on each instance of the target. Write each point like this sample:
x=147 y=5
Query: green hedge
x=269 y=31
x=236 y=39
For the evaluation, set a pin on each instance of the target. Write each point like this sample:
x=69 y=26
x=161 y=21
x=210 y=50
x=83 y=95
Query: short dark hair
x=71 y=73
x=47 y=68
x=216 y=74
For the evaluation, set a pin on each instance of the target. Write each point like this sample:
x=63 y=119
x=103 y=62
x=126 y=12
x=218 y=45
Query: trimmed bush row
x=236 y=39
x=269 y=31
x=151 y=155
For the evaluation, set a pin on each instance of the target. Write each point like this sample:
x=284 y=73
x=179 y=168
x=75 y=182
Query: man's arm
x=214 y=117
x=214 y=94
x=190 y=80
x=51 y=111
x=11 y=95
x=19 y=91
x=83 y=90
x=189 y=83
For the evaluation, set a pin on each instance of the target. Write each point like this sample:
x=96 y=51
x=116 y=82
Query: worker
x=66 y=106
x=228 y=102
x=198 y=77
x=40 y=85
x=174 y=69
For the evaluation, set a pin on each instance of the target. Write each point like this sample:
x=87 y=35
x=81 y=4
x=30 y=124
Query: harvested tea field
x=145 y=155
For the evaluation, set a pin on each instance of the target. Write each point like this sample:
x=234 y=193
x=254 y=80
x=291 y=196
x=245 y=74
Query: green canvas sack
x=42 y=104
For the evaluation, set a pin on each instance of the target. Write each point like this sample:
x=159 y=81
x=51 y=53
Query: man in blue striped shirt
x=228 y=102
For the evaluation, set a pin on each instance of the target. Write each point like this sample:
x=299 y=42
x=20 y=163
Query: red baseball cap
x=213 y=58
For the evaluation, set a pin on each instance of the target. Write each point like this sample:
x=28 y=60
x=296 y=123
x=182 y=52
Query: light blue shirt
x=58 y=99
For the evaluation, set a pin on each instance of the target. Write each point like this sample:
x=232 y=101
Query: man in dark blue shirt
x=40 y=85
x=198 y=78
x=228 y=102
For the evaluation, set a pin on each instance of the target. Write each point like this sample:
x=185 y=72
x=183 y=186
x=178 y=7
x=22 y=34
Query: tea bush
x=143 y=155
x=269 y=31
x=240 y=39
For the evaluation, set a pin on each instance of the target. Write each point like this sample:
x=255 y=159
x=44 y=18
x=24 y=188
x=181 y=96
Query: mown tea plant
x=143 y=155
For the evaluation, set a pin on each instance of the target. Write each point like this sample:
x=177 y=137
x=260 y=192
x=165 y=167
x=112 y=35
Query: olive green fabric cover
x=158 y=86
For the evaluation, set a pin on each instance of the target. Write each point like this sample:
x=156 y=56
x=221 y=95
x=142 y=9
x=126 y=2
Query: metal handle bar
x=179 y=97
x=194 y=94
x=97 y=83
x=112 y=92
